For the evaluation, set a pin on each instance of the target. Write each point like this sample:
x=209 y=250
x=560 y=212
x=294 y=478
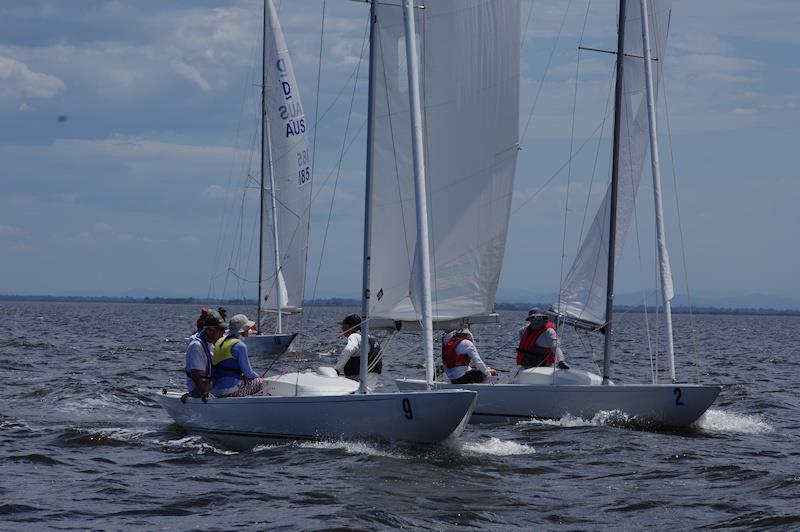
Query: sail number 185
x=304 y=173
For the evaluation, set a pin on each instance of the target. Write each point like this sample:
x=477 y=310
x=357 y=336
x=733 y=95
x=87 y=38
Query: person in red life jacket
x=201 y=320
x=198 y=355
x=458 y=352
x=538 y=342
x=231 y=372
x=349 y=362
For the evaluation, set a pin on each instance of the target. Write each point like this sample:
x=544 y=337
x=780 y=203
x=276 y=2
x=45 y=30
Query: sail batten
x=469 y=77
x=583 y=293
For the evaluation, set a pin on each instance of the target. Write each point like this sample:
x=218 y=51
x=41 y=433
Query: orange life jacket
x=529 y=354
x=450 y=358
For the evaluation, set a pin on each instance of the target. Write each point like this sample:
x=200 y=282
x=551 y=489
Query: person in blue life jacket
x=231 y=373
x=349 y=362
x=459 y=354
x=199 y=352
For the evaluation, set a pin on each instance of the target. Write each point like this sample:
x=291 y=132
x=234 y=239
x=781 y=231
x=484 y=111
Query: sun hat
x=212 y=319
x=239 y=324
x=536 y=313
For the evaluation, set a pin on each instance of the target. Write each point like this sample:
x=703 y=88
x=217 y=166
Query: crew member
x=538 y=342
x=230 y=366
x=198 y=354
x=349 y=362
x=458 y=351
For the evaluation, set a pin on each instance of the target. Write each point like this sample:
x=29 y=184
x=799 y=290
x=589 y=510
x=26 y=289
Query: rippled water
x=83 y=445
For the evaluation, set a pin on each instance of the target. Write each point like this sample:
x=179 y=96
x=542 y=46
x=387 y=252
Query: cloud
x=16 y=79
x=192 y=74
x=24 y=107
x=719 y=68
x=10 y=231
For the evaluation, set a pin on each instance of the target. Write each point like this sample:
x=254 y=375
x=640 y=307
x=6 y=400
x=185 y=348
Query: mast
x=419 y=186
x=266 y=151
x=612 y=233
x=363 y=365
x=666 y=283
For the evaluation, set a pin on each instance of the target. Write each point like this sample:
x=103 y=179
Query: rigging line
x=316 y=102
x=569 y=168
x=555 y=174
x=389 y=114
x=596 y=157
x=307 y=316
x=546 y=70
x=692 y=331
x=247 y=86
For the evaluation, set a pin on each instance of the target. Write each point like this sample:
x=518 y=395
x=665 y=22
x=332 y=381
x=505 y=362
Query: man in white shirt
x=349 y=362
x=199 y=352
x=458 y=352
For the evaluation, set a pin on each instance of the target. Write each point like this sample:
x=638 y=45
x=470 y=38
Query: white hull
x=268 y=344
x=419 y=417
x=672 y=405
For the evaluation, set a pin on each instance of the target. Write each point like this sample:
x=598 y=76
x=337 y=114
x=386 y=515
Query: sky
x=128 y=128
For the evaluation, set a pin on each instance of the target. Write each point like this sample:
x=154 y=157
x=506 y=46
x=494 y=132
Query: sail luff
x=423 y=245
x=663 y=257
x=262 y=196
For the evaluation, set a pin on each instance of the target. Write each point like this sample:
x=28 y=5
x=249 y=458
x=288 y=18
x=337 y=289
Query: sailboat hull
x=418 y=417
x=669 y=405
x=269 y=344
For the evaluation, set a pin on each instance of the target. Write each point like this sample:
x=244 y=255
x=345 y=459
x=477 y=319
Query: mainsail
x=469 y=77
x=583 y=293
x=287 y=166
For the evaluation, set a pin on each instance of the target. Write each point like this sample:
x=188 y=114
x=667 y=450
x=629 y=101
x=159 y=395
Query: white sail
x=469 y=77
x=583 y=293
x=291 y=170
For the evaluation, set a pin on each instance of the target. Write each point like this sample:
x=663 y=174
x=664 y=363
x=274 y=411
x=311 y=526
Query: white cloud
x=24 y=107
x=718 y=68
x=192 y=74
x=16 y=79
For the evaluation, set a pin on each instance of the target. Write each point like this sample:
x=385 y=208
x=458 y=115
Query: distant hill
x=507 y=300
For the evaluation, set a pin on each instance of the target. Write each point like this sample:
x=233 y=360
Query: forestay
x=287 y=147
x=469 y=77
x=583 y=293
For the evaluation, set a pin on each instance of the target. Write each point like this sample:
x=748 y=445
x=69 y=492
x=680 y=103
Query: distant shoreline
x=345 y=302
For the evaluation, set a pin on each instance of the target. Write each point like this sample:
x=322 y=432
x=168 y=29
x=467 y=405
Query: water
x=84 y=446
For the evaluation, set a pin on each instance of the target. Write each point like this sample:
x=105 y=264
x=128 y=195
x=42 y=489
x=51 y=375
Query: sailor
x=202 y=318
x=458 y=351
x=538 y=342
x=349 y=362
x=230 y=367
x=198 y=354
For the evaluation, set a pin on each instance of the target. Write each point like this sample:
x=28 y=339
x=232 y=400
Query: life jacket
x=353 y=365
x=450 y=358
x=222 y=360
x=200 y=337
x=531 y=355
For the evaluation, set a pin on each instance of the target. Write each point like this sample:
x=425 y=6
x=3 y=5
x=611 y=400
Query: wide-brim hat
x=240 y=323
x=536 y=314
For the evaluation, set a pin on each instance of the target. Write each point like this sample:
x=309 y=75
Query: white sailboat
x=586 y=296
x=285 y=192
x=323 y=412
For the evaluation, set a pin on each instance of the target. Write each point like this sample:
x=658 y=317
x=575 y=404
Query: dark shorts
x=473 y=376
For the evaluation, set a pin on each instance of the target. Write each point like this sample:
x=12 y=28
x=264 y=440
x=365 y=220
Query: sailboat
x=417 y=416
x=586 y=297
x=285 y=193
